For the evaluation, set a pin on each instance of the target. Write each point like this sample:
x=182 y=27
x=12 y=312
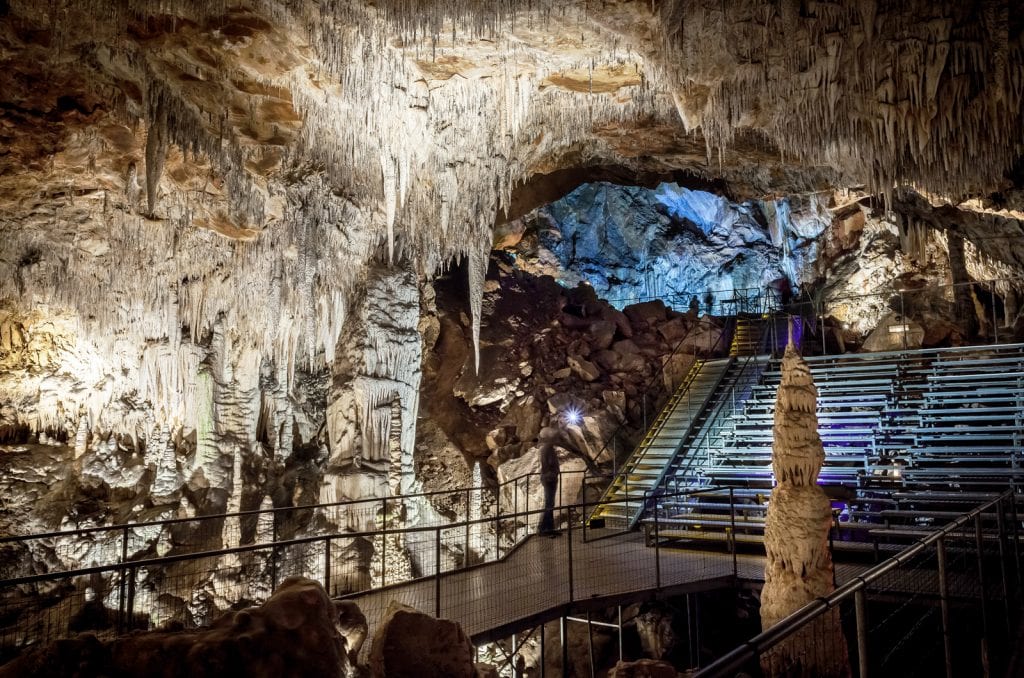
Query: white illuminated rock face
x=799 y=564
x=175 y=167
x=216 y=219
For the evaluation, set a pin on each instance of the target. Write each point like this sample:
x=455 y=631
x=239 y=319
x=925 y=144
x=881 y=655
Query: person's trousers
x=547 y=519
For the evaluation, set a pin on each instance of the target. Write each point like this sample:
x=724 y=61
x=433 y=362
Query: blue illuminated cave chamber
x=632 y=243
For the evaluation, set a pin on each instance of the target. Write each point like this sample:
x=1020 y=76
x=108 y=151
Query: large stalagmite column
x=963 y=302
x=799 y=565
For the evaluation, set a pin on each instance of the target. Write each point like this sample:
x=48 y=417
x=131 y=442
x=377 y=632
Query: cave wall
x=197 y=200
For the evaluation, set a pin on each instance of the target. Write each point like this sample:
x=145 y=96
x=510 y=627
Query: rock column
x=799 y=565
x=963 y=299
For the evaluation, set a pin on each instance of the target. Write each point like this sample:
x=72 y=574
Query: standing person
x=549 y=479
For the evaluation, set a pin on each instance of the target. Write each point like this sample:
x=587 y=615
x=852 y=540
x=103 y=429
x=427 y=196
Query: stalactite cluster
x=284 y=147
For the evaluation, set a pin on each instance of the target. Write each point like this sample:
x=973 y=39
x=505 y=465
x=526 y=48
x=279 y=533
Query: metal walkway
x=623 y=502
x=533 y=584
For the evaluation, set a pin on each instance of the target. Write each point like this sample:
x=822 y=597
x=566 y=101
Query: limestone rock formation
x=411 y=644
x=295 y=633
x=631 y=242
x=799 y=565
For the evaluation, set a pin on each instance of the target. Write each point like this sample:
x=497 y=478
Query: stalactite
x=914 y=235
x=388 y=152
x=156 y=153
x=479 y=257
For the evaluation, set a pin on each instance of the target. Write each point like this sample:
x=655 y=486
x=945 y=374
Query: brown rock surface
x=643 y=668
x=411 y=644
x=294 y=634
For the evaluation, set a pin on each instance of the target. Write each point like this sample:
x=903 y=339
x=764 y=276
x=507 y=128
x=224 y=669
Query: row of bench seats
x=902 y=433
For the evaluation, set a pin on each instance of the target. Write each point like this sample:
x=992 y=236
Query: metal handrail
x=720 y=414
x=236 y=514
x=579 y=507
x=121 y=530
x=625 y=470
x=764 y=641
x=653 y=379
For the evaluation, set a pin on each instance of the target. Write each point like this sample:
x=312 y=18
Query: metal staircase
x=747 y=336
x=623 y=501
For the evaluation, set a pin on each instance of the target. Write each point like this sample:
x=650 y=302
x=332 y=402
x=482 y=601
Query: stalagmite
x=799 y=565
x=963 y=293
x=82 y=436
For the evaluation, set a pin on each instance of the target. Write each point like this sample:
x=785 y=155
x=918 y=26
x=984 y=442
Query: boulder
x=411 y=644
x=353 y=627
x=894 y=333
x=676 y=369
x=674 y=330
x=648 y=312
x=607 y=360
x=702 y=338
x=295 y=633
x=619 y=318
x=525 y=415
x=625 y=347
x=601 y=333
x=643 y=668
x=584 y=369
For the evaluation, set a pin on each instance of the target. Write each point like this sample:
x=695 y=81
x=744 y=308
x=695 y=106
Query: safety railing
x=724 y=302
x=114 y=545
x=727 y=405
x=609 y=480
x=1000 y=298
x=191 y=589
x=946 y=605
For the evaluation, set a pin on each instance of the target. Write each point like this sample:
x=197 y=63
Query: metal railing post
x=437 y=573
x=497 y=527
x=903 y=319
x=862 y=632
x=327 y=565
x=947 y=635
x=465 y=558
x=542 y=647
x=995 y=318
x=657 y=549
x=981 y=589
x=564 y=633
x=732 y=520
x=824 y=342
x=384 y=543
x=273 y=553
x=515 y=511
x=572 y=593
x=122 y=584
x=1016 y=535
x=1001 y=523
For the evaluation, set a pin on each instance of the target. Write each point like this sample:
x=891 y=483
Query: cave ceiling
x=166 y=165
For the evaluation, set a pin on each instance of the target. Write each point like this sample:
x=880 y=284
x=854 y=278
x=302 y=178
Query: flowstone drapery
x=799 y=564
